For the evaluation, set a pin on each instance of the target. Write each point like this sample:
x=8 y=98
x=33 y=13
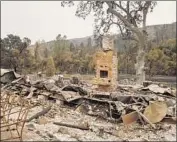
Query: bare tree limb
x=128 y=6
x=145 y=11
x=135 y=30
x=129 y=16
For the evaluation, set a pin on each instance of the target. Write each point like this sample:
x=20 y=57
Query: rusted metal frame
x=6 y=119
x=5 y=103
x=23 y=123
x=10 y=124
x=18 y=120
x=13 y=107
x=5 y=130
x=3 y=124
x=7 y=107
x=10 y=138
x=24 y=113
x=9 y=111
x=12 y=112
x=16 y=124
x=23 y=117
x=2 y=117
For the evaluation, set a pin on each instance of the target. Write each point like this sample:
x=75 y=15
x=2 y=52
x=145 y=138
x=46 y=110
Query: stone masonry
x=106 y=66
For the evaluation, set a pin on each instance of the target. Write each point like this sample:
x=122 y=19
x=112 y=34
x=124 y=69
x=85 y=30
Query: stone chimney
x=106 y=65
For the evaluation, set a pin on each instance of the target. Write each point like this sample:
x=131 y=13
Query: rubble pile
x=127 y=81
x=149 y=104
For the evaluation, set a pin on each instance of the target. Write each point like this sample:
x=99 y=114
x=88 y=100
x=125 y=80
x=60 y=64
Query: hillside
x=155 y=32
x=164 y=31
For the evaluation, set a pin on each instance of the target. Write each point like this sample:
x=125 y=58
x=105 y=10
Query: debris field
x=62 y=110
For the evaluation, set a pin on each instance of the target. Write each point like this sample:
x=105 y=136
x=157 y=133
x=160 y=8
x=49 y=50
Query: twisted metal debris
x=14 y=110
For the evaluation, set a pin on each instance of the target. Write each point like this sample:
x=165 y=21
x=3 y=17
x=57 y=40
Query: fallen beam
x=82 y=127
x=44 y=111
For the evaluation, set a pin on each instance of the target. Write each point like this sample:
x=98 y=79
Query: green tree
x=12 y=50
x=161 y=59
x=27 y=41
x=50 y=67
x=58 y=37
x=89 y=42
x=28 y=62
x=37 y=53
x=62 y=53
x=37 y=57
x=46 y=52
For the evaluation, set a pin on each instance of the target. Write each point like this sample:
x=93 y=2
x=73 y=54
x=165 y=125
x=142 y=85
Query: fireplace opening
x=103 y=74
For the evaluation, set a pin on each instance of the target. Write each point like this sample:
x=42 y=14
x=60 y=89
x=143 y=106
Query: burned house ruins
x=57 y=109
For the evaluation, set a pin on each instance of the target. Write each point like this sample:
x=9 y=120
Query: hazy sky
x=44 y=20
